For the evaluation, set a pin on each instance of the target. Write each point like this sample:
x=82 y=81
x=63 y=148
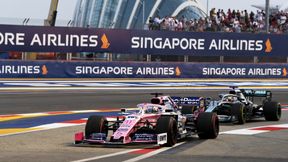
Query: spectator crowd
x=221 y=21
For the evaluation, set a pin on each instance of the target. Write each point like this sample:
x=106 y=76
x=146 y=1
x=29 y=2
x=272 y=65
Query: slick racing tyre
x=96 y=124
x=167 y=124
x=207 y=125
x=272 y=111
x=238 y=110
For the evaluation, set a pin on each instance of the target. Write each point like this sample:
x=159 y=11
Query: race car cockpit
x=239 y=95
x=151 y=109
x=146 y=108
x=229 y=98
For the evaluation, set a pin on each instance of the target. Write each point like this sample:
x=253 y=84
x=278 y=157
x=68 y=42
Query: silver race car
x=239 y=105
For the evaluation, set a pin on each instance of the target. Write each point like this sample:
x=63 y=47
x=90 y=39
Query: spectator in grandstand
x=150 y=25
x=220 y=21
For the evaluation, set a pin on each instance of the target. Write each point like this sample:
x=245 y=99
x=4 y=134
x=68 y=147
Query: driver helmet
x=230 y=98
x=151 y=109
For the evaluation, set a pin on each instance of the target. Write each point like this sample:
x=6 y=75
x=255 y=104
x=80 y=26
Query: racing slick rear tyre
x=96 y=124
x=207 y=125
x=187 y=109
x=167 y=124
x=239 y=111
x=272 y=111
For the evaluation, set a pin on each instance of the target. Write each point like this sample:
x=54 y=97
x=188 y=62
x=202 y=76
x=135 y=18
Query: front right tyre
x=96 y=124
x=168 y=124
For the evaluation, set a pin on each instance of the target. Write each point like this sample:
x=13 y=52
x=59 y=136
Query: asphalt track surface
x=56 y=144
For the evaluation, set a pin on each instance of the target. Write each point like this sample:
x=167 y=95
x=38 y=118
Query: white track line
x=138 y=158
x=106 y=156
x=246 y=131
x=153 y=153
x=255 y=130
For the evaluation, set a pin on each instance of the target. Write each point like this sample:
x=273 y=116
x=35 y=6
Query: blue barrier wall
x=49 y=69
x=64 y=39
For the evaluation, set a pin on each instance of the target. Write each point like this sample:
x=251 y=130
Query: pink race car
x=161 y=122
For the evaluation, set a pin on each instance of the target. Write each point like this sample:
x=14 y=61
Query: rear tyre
x=272 y=111
x=207 y=125
x=240 y=113
x=168 y=124
x=96 y=124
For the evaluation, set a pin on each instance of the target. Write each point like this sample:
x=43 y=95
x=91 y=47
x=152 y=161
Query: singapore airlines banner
x=64 y=39
x=48 y=69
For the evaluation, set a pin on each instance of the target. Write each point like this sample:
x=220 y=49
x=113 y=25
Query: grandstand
x=189 y=18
